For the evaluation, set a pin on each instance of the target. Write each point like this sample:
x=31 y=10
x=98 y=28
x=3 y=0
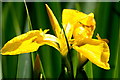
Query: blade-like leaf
x=75 y=61
x=0 y=66
x=0 y=39
x=25 y=68
x=88 y=69
x=8 y=31
x=114 y=44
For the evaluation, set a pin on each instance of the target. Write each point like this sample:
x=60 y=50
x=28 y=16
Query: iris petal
x=81 y=25
x=69 y=30
x=58 y=31
x=54 y=22
x=97 y=51
x=28 y=42
x=71 y=16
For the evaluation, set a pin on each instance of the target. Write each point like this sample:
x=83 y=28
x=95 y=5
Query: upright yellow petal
x=81 y=25
x=88 y=20
x=71 y=16
x=63 y=44
x=68 y=30
x=58 y=31
x=29 y=42
x=54 y=22
x=81 y=33
x=97 y=51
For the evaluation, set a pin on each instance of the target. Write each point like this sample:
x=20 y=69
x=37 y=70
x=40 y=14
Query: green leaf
x=51 y=61
x=0 y=66
x=89 y=69
x=10 y=28
x=0 y=39
x=114 y=44
x=24 y=68
x=9 y=66
x=74 y=61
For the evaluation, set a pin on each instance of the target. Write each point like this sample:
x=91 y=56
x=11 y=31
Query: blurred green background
x=15 y=22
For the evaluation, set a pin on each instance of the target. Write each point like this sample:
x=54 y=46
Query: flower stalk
x=68 y=58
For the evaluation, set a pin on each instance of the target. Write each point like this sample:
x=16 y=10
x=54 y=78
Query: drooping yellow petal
x=54 y=22
x=28 y=42
x=52 y=41
x=99 y=38
x=97 y=51
x=20 y=47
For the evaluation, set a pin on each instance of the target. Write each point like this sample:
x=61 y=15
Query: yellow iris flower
x=81 y=26
x=77 y=24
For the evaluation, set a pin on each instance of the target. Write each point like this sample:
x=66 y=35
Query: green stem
x=68 y=56
x=66 y=69
x=66 y=63
x=70 y=60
